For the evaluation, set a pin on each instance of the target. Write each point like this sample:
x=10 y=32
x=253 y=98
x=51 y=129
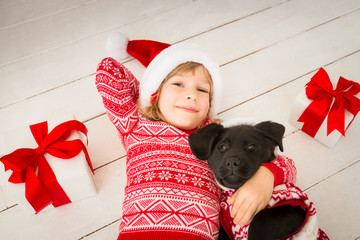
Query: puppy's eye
x=251 y=147
x=223 y=147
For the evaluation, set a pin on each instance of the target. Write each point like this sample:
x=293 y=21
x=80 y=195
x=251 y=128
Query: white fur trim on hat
x=167 y=60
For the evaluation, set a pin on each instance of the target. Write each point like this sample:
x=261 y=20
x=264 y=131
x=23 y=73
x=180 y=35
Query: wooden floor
x=268 y=51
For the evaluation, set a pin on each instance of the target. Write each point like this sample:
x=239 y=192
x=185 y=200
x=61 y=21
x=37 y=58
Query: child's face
x=184 y=100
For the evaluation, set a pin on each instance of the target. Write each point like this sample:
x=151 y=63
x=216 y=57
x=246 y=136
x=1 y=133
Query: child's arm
x=119 y=90
x=256 y=193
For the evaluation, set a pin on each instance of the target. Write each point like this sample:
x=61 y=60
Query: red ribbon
x=30 y=166
x=320 y=91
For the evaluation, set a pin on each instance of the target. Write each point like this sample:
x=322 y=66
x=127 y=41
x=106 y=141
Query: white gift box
x=300 y=103
x=74 y=175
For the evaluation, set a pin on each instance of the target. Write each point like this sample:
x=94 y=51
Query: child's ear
x=201 y=140
x=274 y=131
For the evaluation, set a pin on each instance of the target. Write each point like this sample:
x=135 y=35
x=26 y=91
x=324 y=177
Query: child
x=169 y=193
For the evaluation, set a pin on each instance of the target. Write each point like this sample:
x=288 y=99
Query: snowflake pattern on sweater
x=169 y=193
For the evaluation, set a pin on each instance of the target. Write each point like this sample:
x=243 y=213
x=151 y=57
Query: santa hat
x=160 y=59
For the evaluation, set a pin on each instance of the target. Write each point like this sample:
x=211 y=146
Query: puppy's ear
x=201 y=140
x=274 y=131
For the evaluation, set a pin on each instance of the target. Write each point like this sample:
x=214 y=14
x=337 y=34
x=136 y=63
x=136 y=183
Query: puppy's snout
x=233 y=163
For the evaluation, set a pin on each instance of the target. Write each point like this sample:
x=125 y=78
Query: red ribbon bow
x=320 y=90
x=41 y=187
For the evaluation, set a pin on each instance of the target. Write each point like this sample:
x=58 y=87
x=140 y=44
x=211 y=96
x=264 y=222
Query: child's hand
x=252 y=197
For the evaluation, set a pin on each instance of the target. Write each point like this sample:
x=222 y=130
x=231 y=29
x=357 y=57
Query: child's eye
x=203 y=90
x=178 y=84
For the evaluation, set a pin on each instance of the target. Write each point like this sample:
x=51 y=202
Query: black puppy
x=235 y=154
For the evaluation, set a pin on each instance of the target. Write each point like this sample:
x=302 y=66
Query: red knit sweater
x=169 y=193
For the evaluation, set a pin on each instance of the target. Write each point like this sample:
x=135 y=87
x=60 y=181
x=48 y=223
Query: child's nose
x=191 y=95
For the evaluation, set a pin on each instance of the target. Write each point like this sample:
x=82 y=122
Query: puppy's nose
x=232 y=163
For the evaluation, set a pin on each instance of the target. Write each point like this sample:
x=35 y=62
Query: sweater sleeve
x=284 y=170
x=119 y=90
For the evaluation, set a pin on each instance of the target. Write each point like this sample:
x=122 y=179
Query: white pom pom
x=116 y=45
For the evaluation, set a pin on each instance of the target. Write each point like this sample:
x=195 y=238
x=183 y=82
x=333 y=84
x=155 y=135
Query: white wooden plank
x=77 y=23
x=252 y=34
x=74 y=220
x=337 y=203
x=80 y=58
x=104 y=142
x=19 y=11
x=294 y=57
x=51 y=105
x=2 y=189
x=108 y=232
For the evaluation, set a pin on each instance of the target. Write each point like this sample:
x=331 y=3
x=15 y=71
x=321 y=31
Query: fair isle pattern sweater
x=169 y=193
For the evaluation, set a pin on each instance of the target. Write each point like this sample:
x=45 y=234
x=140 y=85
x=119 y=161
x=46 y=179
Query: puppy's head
x=235 y=153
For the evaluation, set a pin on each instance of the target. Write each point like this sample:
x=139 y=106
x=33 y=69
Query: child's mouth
x=187 y=109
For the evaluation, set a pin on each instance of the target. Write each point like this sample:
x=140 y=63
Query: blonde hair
x=153 y=112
